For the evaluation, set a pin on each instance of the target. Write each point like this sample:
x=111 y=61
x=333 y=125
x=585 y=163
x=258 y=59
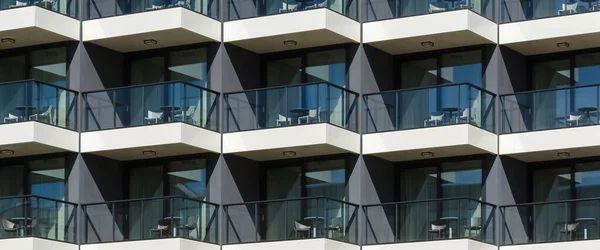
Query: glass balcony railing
x=108 y=8
x=546 y=222
x=550 y=109
x=454 y=218
x=389 y=9
x=35 y=216
x=517 y=10
x=30 y=100
x=290 y=219
x=66 y=7
x=240 y=9
x=152 y=218
x=429 y=107
x=151 y=104
x=291 y=105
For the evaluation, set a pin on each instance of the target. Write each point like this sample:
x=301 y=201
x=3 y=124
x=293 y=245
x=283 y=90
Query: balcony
x=156 y=120
x=525 y=26
x=303 y=120
x=37 y=223
x=550 y=124
x=37 y=118
x=171 y=222
x=40 y=22
x=455 y=223
x=568 y=224
x=293 y=24
x=442 y=24
x=127 y=26
x=316 y=223
x=442 y=121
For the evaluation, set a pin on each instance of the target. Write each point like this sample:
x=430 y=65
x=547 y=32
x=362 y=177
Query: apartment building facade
x=299 y=124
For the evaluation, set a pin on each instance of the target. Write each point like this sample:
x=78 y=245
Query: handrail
x=289 y=199
x=431 y=87
x=291 y=86
x=38 y=197
x=550 y=202
x=38 y=82
x=149 y=85
x=151 y=198
x=550 y=90
x=431 y=200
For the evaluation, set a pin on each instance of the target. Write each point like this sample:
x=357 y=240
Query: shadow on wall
x=104 y=68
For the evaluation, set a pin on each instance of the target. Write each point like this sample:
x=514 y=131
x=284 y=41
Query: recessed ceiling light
x=563 y=45
x=427 y=44
x=7 y=152
x=150 y=42
x=149 y=152
x=7 y=40
x=427 y=154
x=289 y=153
x=290 y=43
x=563 y=154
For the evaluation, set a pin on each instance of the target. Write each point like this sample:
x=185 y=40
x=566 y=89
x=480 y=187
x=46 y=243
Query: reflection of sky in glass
x=465 y=177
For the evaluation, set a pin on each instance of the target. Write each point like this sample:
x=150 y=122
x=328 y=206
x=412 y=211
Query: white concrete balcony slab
x=30 y=243
x=545 y=145
x=450 y=29
x=458 y=244
x=578 y=244
x=168 y=27
x=442 y=141
x=34 y=138
x=312 y=244
x=310 y=28
x=36 y=26
x=168 y=139
x=155 y=244
x=542 y=36
x=304 y=140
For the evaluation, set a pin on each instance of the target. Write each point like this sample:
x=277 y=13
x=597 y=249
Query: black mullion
x=439 y=191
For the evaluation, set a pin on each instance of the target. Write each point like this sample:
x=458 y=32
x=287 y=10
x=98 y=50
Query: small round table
x=449 y=219
x=23 y=222
x=451 y=111
x=27 y=110
x=167 y=111
x=174 y=223
x=585 y=221
x=452 y=1
x=315 y=220
x=587 y=111
x=299 y=112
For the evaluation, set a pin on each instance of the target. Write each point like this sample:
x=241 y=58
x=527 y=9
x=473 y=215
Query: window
x=319 y=66
x=42 y=177
x=189 y=65
x=47 y=65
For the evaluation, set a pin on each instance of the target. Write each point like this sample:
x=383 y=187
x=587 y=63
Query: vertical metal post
x=256 y=108
x=285 y=206
x=114 y=100
x=256 y=222
x=397 y=110
x=396 y=223
x=113 y=221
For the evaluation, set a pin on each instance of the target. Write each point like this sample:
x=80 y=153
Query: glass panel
x=328 y=66
x=419 y=184
x=189 y=66
x=551 y=74
x=527 y=10
x=462 y=67
x=552 y=184
x=187 y=178
x=47 y=178
x=461 y=179
x=284 y=72
x=245 y=8
x=586 y=66
x=12 y=68
x=419 y=73
x=386 y=9
x=108 y=8
x=326 y=178
x=50 y=66
x=69 y=8
x=147 y=70
x=11 y=183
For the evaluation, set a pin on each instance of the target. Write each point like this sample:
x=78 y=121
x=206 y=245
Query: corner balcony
x=155 y=120
x=549 y=26
x=292 y=24
x=551 y=124
x=40 y=22
x=292 y=121
x=155 y=223
x=127 y=26
x=442 y=24
x=452 y=223
x=37 y=223
x=442 y=121
x=567 y=224
x=37 y=118
x=316 y=223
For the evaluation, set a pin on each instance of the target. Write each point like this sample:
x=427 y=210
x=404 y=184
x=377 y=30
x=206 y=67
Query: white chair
x=162 y=229
x=435 y=119
x=437 y=228
x=437 y=7
x=46 y=116
x=12 y=118
x=18 y=4
x=466 y=117
x=182 y=3
x=9 y=226
x=574 y=118
x=302 y=227
x=188 y=115
x=570 y=229
x=285 y=7
x=313 y=115
x=474 y=226
x=335 y=227
x=283 y=120
x=189 y=226
x=153 y=117
x=568 y=8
